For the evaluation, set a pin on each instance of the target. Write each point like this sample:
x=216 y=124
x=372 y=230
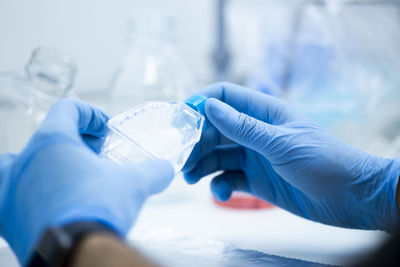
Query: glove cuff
x=392 y=211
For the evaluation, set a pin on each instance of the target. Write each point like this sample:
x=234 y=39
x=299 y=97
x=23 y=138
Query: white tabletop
x=192 y=215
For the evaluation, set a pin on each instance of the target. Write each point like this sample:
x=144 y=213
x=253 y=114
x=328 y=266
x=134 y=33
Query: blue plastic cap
x=197 y=102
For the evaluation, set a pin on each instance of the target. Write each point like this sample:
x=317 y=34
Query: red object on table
x=244 y=201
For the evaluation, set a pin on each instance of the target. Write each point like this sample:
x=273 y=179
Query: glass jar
x=51 y=75
x=26 y=98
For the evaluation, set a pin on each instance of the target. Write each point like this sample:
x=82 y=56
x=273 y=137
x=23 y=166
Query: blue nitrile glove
x=279 y=156
x=59 y=178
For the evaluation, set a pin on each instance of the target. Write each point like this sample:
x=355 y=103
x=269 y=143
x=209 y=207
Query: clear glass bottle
x=51 y=75
x=152 y=68
x=26 y=98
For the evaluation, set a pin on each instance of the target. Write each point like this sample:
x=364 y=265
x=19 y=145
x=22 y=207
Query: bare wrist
x=106 y=250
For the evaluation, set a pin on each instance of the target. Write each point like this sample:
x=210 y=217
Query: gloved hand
x=265 y=148
x=59 y=178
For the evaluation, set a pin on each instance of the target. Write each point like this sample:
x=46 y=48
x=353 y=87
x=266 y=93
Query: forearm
x=105 y=250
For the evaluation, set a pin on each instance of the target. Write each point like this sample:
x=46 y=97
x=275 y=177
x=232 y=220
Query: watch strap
x=58 y=245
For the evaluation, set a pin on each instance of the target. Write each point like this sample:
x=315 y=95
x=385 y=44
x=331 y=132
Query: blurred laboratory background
x=335 y=61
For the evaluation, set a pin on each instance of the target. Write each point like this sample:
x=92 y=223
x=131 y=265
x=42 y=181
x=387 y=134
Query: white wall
x=94 y=33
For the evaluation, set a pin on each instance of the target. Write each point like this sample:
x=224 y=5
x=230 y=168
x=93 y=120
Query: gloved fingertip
x=190 y=178
x=191 y=162
x=221 y=189
x=187 y=167
x=158 y=174
x=215 y=108
x=97 y=123
x=164 y=166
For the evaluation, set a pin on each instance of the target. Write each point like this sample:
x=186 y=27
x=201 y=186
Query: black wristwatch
x=57 y=246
